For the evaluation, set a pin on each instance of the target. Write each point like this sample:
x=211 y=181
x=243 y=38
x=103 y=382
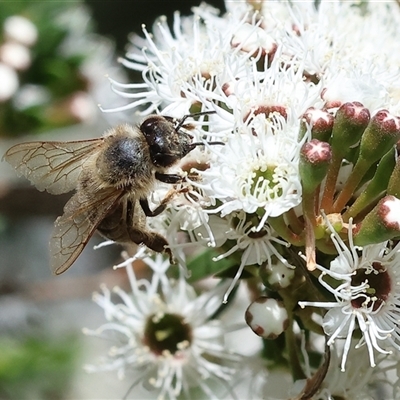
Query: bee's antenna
x=195 y=144
x=185 y=117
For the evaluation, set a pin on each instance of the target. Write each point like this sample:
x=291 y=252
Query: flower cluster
x=20 y=34
x=50 y=63
x=300 y=194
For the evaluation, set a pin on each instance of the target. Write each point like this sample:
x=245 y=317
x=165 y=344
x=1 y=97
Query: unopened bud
x=9 y=82
x=381 y=134
x=350 y=122
x=382 y=223
x=321 y=123
x=378 y=185
x=315 y=157
x=15 y=55
x=393 y=187
x=20 y=29
x=267 y=317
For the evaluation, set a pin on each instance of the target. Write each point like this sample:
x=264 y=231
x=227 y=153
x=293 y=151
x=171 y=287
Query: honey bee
x=113 y=177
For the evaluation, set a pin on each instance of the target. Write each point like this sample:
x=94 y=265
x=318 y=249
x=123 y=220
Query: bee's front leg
x=169 y=178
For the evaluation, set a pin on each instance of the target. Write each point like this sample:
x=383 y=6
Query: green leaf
x=275 y=352
x=36 y=368
x=231 y=272
x=203 y=266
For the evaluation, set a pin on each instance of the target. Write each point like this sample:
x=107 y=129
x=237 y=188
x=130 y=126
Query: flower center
x=377 y=286
x=262 y=182
x=167 y=332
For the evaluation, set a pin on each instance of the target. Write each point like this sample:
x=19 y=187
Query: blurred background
x=54 y=56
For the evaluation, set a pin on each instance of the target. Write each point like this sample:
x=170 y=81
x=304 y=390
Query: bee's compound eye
x=150 y=128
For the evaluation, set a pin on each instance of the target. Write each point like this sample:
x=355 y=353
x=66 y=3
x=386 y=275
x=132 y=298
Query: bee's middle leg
x=144 y=203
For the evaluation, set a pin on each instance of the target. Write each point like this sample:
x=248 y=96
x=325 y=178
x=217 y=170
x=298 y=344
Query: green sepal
x=393 y=187
x=314 y=164
x=311 y=175
x=376 y=187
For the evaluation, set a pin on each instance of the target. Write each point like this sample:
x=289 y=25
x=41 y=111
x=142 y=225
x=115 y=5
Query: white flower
x=356 y=87
x=180 y=67
x=387 y=374
x=367 y=294
x=20 y=29
x=166 y=335
x=254 y=246
x=15 y=55
x=260 y=170
x=9 y=82
x=355 y=383
x=260 y=71
x=337 y=43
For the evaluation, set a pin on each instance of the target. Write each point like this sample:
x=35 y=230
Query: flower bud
x=20 y=29
x=381 y=134
x=315 y=157
x=393 y=187
x=382 y=223
x=8 y=82
x=15 y=55
x=376 y=186
x=267 y=317
x=350 y=122
x=321 y=123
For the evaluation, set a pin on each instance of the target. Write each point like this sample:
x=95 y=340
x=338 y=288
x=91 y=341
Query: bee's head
x=167 y=143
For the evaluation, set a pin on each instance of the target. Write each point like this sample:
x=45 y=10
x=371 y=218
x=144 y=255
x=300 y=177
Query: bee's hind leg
x=152 y=240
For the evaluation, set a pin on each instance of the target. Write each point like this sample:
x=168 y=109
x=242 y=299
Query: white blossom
x=254 y=246
x=165 y=334
x=9 y=82
x=260 y=171
x=256 y=73
x=367 y=296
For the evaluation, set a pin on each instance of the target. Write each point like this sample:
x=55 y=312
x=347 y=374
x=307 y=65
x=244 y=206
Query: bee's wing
x=76 y=226
x=52 y=166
